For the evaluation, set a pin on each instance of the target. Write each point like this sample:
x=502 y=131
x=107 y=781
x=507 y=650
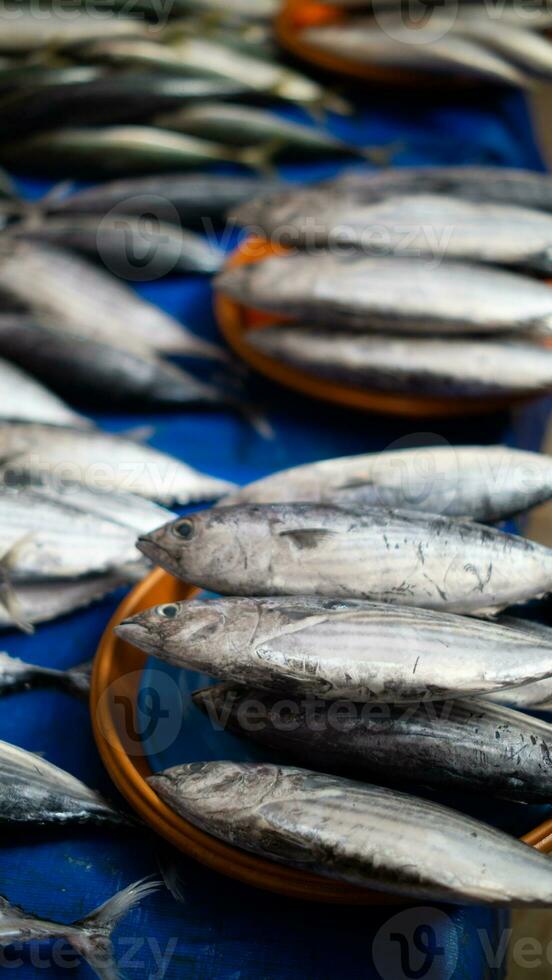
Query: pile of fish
x=412 y=281
x=501 y=44
x=357 y=632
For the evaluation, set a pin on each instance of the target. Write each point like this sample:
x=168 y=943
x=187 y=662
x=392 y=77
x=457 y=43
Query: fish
x=435 y=226
x=23 y=399
x=129 y=97
x=240 y=125
x=401 y=295
x=487 y=483
x=14 y=77
x=247 y=9
x=341 y=828
x=26 y=32
x=518 y=44
x=393 y=556
x=76 y=295
x=469 y=746
x=42 y=602
x=206 y=56
x=105 y=463
x=501 y=185
x=444 y=367
x=384 y=653
x=33 y=791
x=80 y=367
x=16 y=675
x=419 y=49
x=113 y=151
x=188 y=198
x=90 y=936
x=537 y=695
x=127 y=245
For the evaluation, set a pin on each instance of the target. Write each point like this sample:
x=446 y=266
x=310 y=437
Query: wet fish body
x=16 y=675
x=433 y=366
x=23 y=399
x=518 y=44
x=14 y=77
x=106 y=463
x=33 y=791
x=190 y=198
x=488 y=483
x=468 y=746
x=238 y=125
x=107 y=100
x=41 y=602
x=74 y=294
x=420 y=225
x=501 y=185
x=340 y=828
x=385 y=653
x=365 y=42
x=157 y=249
x=384 y=555
x=113 y=151
x=77 y=366
x=27 y=32
x=401 y=295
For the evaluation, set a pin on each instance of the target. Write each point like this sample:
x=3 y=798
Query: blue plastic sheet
x=226 y=930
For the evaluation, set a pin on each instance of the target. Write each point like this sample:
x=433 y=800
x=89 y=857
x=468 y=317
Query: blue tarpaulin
x=224 y=929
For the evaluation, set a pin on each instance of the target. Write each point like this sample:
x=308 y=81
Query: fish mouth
x=154 y=551
x=135 y=633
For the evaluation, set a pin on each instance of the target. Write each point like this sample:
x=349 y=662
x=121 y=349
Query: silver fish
x=204 y=56
x=90 y=936
x=370 y=553
x=341 y=828
x=81 y=298
x=24 y=399
x=518 y=44
x=118 y=241
x=385 y=653
x=488 y=483
x=114 y=151
x=18 y=76
x=189 y=198
x=105 y=463
x=401 y=295
x=41 y=602
x=464 y=745
x=27 y=32
x=16 y=675
x=503 y=185
x=535 y=696
x=420 y=49
x=419 y=225
x=34 y=791
x=81 y=366
x=451 y=367
x=248 y=9
x=240 y=125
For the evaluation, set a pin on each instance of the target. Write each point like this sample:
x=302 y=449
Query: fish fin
x=57 y=193
x=91 y=936
x=334 y=102
x=8 y=595
x=261 y=157
x=306 y=538
x=382 y=156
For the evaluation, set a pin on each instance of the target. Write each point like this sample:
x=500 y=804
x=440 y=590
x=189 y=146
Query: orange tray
x=298 y=14
x=235 y=321
x=116 y=681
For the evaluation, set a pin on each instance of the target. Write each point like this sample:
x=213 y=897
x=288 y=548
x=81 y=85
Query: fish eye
x=185 y=529
x=169 y=612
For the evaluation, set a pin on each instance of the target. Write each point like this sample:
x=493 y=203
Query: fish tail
x=91 y=936
x=333 y=102
x=382 y=156
x=261 y=157
x=8 y=596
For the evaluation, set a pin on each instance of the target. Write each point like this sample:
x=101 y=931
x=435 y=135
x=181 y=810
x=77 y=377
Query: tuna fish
x=16 y=675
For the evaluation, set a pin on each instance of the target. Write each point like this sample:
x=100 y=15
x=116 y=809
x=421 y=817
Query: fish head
x=186 y=626
x=217 y=549
x=200 y=789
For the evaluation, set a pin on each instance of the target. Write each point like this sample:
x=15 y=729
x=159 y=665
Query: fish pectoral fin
x=261 y=157
x=8 y=596
x=139 y=433
x=306 y=538
x=10 y=558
